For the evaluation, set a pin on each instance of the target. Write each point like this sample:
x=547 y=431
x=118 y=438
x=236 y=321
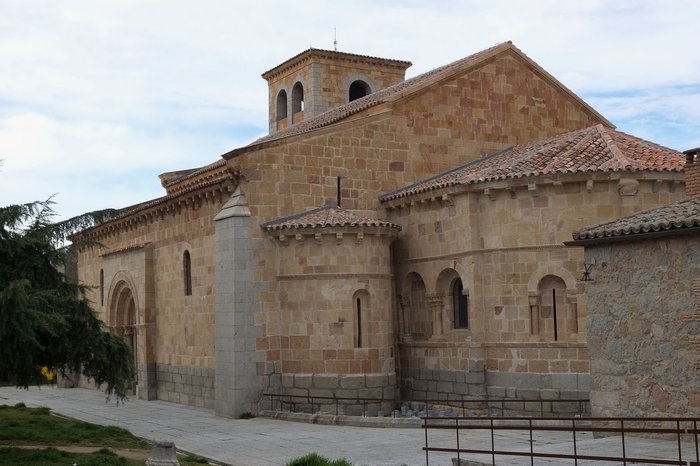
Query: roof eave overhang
x=633 y=237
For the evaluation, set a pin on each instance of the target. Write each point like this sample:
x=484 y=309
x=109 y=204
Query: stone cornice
x=307 y=55
x=134 y=247
x=338 y=233
x=216 y=191
x=532 y=186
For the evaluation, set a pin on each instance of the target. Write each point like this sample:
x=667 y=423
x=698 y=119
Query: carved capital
x=434 y=299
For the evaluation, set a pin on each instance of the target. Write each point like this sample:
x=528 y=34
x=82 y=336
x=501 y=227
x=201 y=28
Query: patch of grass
x=246 y=415
x=314 y=459
x=20 y=425
x=52 y=456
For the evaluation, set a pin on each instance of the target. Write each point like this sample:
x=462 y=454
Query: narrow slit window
x=358 y=303
x=187 y=272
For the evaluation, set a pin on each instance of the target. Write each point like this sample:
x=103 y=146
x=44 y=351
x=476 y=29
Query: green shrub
x=314 y=459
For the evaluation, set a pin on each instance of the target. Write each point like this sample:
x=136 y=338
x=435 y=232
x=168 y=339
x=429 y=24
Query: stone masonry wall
x=502 y=243
x=349 y=386
x=189 y=385
x=644 y=327
x=447 y=124
x=181 y=328
x=320 y=277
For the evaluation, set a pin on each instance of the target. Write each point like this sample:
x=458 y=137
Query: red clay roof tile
x=596 y=148
x=683 y=214
x=326 y=217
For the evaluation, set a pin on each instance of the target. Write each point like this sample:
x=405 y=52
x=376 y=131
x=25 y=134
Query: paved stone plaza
x=267 y=442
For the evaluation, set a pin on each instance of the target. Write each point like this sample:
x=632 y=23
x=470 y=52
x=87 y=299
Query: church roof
x=327 y=216
x=678 y=216
x=593 y=149
x=408 y=87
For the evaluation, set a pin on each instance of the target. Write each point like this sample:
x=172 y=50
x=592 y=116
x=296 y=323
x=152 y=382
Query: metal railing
x=676 y=430
x=302 y=403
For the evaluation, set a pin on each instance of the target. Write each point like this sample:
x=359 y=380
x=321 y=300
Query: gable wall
x=497 y=105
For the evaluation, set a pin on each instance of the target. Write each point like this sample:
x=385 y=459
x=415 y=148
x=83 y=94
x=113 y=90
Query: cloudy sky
x=99 y=97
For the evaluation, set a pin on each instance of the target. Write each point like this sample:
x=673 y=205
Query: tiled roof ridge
x=614 y=150
x=645 y=141
x=376 y=98
x=330 y=216
x=312 y=50
x=679 y=215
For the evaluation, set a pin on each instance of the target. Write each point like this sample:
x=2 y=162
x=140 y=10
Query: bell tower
x=316 y=81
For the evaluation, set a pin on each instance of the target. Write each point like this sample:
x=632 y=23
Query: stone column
x=573 y=313
x=534 y=302
x=436 y=303
x=404 y=303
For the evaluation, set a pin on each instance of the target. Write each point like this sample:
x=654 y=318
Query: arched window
x=554 y=315
x=460 y=305
x=187 y=272
x=358 y=89
x=297 y=98
x=102 y=287
x=282 y=105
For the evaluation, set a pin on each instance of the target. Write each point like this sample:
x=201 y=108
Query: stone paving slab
x=269 y=442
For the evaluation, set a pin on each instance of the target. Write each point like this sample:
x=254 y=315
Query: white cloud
x=115 y=90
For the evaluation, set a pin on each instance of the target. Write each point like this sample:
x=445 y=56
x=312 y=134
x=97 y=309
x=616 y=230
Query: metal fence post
x=573 y=429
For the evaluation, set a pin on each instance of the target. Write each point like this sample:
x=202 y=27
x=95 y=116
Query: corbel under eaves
x=447 y=200
x=533 y=190
x=558 y=186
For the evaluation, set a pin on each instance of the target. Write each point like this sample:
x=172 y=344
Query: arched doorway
x=123 y=320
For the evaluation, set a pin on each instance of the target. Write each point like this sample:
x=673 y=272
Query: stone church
x=387 y=238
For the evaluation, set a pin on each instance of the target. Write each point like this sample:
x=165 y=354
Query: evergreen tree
x=45 y=317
